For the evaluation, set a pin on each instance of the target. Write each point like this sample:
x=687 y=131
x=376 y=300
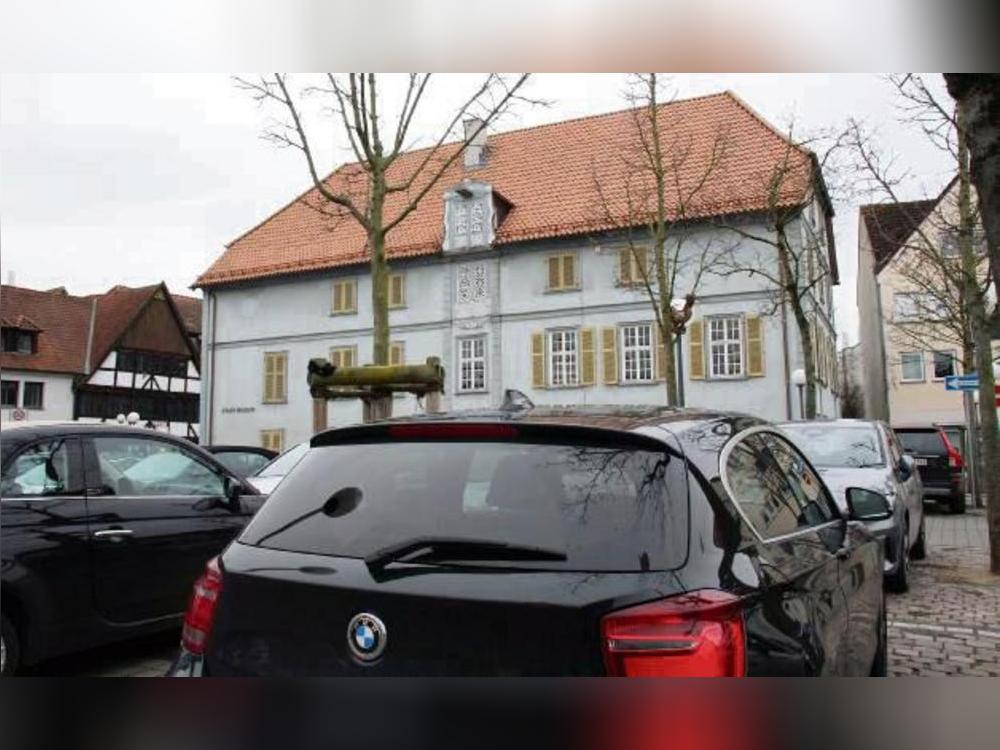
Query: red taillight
x=453 y=431
x=201 y=609
x=700 y=634
x=954 y=457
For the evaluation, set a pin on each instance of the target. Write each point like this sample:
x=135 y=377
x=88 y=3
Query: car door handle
x=111 y=533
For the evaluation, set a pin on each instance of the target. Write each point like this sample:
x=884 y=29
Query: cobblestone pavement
x=948 y=623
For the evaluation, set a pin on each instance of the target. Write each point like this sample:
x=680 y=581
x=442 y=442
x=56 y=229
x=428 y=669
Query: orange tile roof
x=548 y=173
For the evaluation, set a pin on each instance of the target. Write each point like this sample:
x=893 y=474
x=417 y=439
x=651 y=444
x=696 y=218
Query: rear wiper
x=457 y=548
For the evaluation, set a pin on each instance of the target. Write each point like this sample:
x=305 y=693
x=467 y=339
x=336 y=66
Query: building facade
x=95 y=357
x=902 y=295
x=507 y=297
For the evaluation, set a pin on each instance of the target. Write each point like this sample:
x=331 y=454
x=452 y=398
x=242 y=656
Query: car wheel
x=899 y=581
x=10 y=648
x=957 y=504
x=880 y=665
x=919 y=551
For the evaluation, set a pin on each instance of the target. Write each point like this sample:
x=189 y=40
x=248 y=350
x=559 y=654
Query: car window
x=284 y=463
x=924 y=442
x=816 y=506
x=141 y=467
x=610 y=508
x=759 y=484
x=40 y=470
x=839 y=447
x=242 y=462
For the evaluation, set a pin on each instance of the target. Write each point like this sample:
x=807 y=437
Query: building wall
x=57 y=395
x=498 y=293
x=871 y=331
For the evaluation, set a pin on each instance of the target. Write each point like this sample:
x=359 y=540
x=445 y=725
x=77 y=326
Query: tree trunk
x=808 y=363
x=381 y=407
x=667 y=320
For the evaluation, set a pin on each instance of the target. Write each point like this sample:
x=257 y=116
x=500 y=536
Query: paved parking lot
x=948 y=623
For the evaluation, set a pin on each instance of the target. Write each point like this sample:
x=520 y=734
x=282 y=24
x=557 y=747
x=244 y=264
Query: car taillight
x=201 y=609
x=954 y=457
x=700 y=634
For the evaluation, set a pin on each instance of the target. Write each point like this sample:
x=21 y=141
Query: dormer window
x=20 y=341
x=472 y=213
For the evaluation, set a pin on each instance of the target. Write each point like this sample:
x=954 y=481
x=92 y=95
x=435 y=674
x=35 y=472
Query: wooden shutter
x=588 y=365
x=268 y=377
x=755 y=346
x=661 y=352
x=609 y=355
x=555 y=272
x=641 y=258
x=280 y=377
x=696 y=350
x=624 y=266
x=397 y=290
x=568 y=271
x=538 y=360
x=396 y=353
x=350 y=296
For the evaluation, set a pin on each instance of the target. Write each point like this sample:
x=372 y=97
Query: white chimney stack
x=475 y=148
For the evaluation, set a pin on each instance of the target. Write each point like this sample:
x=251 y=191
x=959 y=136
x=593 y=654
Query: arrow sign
x=967 y=382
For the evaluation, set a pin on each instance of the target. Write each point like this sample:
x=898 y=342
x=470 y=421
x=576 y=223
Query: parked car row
x=622 y=541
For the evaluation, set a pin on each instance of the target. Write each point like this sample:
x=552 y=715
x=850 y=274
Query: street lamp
x=132 y=418
x=799 y=378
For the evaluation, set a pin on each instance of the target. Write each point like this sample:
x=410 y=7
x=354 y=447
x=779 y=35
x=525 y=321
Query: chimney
x=475 y=149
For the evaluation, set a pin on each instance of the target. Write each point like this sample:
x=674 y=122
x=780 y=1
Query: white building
x=506 y=275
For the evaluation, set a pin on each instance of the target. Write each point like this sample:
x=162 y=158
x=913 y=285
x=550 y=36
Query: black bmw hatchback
x=635 y=542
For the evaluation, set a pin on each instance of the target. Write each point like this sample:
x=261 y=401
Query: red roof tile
x=548 y=174
x=64 y=322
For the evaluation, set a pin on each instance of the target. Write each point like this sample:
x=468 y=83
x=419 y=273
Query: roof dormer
x=472 y=213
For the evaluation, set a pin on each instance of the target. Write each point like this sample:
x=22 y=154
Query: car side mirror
x=867 y=505
x=232 y=489
x=906 y=466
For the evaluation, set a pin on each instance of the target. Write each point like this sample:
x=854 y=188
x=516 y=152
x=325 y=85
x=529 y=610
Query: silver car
x=858 y=453
x=266 y=478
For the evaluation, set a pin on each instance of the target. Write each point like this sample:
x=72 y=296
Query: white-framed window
x=472 y=364
x=564 y=359
x=725 y=346
x=911 y=366
x=637 y=353
x=944 y=364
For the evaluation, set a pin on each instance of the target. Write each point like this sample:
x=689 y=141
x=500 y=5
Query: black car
x=939 y=462
x=242 y=460
x=103 y=530
x=547 y=542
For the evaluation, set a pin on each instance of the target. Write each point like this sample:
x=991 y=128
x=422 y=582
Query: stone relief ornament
x=472 y=284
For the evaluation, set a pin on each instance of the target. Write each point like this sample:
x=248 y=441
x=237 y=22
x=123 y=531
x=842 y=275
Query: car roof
x=239 y=449
x=833 y=422
x=26 y=431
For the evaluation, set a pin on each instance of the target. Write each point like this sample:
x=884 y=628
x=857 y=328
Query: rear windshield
x=606 y=508
x=855 y=447
x=927 y=442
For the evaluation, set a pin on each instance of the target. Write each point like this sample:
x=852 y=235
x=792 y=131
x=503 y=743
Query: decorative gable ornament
x=470 y=217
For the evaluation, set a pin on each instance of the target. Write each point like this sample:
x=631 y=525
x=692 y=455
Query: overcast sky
x=130 y=179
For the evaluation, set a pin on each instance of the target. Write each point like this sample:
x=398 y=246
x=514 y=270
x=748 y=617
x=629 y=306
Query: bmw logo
x=366 y=637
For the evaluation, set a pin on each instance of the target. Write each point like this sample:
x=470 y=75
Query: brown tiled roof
x=190 y=310
x=64 y=322
x=548 y=173
x=889 y=225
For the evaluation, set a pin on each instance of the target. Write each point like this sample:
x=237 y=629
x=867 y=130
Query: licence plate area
x=920 y=461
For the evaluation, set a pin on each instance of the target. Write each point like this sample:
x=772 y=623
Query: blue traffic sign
x=967 y=382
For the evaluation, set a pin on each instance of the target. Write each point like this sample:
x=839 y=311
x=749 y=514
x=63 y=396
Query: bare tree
x=373 y=191
x=660 y=186
x=792 y=260
x=953 y=285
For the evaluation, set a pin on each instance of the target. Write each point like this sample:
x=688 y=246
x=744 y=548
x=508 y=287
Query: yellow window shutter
x=624 y=266
x=338 y=296
x=609 y=355
x=641 y=263
x=696 y=350
x=351 y=296
x=396 y=353
x=397 y=293
x=755 y=346
x=555 y=272
x=280 y=377
x=568 y=271
x=661 y=352
x=588 y=365
x=538 y=360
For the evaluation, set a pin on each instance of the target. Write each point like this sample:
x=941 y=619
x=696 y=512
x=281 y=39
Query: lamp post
x=799 y=378
x=678 y=305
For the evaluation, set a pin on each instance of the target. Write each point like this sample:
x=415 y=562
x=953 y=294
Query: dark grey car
x=858 y=453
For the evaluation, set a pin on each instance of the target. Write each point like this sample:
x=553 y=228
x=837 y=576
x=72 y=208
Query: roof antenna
x=515 y=400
